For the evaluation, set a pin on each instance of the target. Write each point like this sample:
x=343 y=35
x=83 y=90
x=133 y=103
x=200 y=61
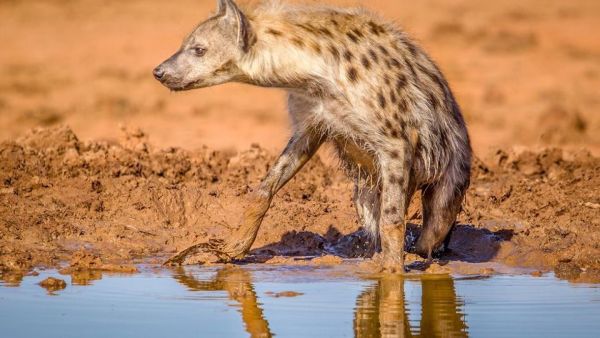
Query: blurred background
x=526 y=72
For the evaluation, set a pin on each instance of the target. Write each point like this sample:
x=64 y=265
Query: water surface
x=255 y=301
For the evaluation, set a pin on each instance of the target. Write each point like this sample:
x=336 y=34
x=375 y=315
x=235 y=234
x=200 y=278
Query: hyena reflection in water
x=238 y=285
x=354 y=81
x=380 y=310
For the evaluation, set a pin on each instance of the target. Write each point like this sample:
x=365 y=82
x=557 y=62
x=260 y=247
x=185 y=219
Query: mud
x=103 y=206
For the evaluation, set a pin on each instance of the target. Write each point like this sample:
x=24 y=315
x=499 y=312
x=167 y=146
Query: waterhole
x=258 y=301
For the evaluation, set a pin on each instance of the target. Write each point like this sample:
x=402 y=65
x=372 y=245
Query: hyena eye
x=199 y=51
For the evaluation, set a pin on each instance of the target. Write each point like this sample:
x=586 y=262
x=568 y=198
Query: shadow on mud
x=380 y=309
x=465 y=243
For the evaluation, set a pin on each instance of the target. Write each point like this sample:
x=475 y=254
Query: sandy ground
x=141 y=172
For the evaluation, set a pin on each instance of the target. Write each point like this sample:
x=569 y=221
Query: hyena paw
x=203 y=253
x=389 y=263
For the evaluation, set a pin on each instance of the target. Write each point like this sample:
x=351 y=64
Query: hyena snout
x=158 y=73
x=166 y=75
x=162 y=74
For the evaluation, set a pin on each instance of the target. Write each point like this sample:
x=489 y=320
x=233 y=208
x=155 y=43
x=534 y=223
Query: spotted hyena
x=357 y=82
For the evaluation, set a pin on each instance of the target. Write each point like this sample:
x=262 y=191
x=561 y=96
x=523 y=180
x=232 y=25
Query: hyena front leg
x=299 y=150
x=395 y=196
x=301 y=147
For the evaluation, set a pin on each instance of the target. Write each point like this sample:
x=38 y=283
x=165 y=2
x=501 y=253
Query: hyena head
x=210 y=54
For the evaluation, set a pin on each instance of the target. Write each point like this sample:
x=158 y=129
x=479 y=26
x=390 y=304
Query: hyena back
x=356 y=82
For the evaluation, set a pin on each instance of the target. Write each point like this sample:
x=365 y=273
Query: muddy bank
x=130 y=202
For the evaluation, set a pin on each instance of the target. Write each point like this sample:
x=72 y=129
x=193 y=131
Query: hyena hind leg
x=441 y=204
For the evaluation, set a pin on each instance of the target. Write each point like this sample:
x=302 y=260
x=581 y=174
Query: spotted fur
x=362 y=84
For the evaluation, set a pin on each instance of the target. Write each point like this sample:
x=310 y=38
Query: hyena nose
x=158 y=73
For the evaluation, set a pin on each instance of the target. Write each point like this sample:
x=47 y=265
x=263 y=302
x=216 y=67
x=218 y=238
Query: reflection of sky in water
x=204 y=303
x=530 y=307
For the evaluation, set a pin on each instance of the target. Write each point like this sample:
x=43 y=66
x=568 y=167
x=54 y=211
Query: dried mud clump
x=53 y=284
x=62 y=199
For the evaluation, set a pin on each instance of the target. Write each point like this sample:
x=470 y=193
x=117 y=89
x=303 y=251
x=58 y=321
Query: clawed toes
x=202 y=253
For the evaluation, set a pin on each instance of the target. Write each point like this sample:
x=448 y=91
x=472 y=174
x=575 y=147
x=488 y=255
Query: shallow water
x=248 y=301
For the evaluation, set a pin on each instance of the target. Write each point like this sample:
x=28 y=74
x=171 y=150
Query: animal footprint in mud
x=202 y=253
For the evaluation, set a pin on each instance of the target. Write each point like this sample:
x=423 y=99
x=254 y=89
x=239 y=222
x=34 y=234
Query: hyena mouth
x=180 y=88
x=177 y=89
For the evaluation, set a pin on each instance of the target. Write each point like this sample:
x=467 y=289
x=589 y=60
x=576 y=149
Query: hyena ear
x=230 y=12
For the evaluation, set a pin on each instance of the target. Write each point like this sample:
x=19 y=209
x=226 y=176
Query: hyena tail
x=366 y=200
x=442 y=202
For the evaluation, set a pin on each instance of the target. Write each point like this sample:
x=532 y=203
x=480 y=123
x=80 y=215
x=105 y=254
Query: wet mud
x=103 y=206
x=52 y=284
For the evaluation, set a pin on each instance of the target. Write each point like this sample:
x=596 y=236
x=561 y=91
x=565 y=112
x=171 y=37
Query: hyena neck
x=283 y=60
